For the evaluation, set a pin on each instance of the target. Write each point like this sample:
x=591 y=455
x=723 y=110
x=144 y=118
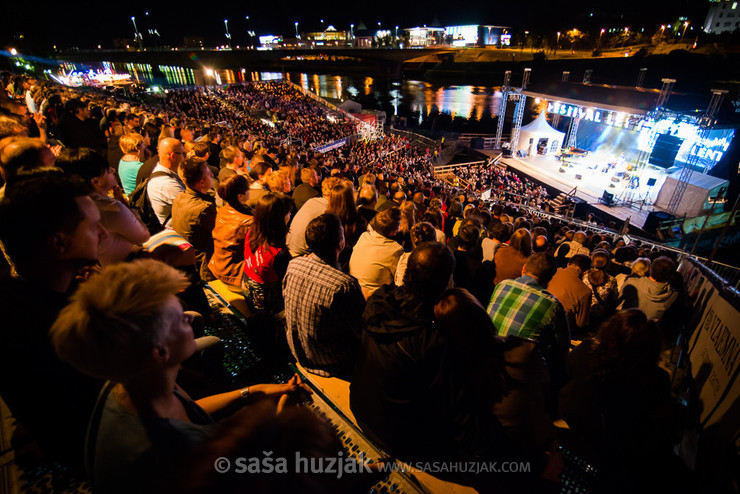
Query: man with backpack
x=165 y=184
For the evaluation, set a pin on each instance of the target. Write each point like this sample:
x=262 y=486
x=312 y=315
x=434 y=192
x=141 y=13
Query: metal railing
x=450 y=168
x=414 y=137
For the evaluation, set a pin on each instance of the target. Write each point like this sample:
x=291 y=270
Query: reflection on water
x=416 y=96
x=400 y=98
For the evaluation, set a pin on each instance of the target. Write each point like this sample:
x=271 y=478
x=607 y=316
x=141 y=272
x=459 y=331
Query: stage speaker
x=665 y=150
x=578 y=177
x=562 y=170
x=607 y=198
x=651 y=181
x=654 y=220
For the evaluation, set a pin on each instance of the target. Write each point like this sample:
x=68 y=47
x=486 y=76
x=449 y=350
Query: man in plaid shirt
x=523 y=308
x=323 y=306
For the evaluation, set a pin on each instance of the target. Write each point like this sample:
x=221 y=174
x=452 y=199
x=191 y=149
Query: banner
x=332 y=145
x=714 y=346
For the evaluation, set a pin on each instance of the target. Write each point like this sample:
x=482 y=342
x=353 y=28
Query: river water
x=410 y=101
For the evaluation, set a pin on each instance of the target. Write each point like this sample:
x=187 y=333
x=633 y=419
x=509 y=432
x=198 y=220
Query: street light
x=352 y=31
x=138 y=35
x=322 y=24
x=228 y=35
x=557 y=43
x=298 y=36
x=685 y=25
x=396 y=32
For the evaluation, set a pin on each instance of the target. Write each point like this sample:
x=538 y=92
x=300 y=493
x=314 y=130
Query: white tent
x=698 y=191
x=539 y=134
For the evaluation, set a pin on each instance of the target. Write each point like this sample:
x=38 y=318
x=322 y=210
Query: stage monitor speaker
x=651 y=181
x=654 y=220
x=665 y=150
x=607 y=198
x=578 y=177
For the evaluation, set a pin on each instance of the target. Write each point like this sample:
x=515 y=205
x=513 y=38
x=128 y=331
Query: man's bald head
x=171 y=153
x=22 y=154
x=368 y=196
x=580 y=237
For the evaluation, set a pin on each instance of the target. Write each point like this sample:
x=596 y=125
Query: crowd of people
x=454 y=319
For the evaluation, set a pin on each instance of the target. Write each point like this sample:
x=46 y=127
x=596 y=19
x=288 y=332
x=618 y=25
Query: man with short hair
x=652 y=294
x=307 y=189
x=167 y=185
x=50 y=230
x=567 y=286
x=78 y=129
x=522 y=307
x=470 y=272
x=396 y=199
x=375 y=256
x=323 y=306
x=194 y=212
x=395 y=392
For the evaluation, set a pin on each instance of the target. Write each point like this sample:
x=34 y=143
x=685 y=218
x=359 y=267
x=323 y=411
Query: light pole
x=228 y=35
x=557 y=43
x=601 y=33
x=322 y=24
x=249 y=32
x=137 y=33
x=298 y=36
x=685 y=25
x=352 y=31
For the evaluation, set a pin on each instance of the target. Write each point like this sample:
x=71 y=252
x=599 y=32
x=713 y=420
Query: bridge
x=388 y=60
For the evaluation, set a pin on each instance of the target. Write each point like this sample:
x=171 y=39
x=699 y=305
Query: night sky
x=88 y=24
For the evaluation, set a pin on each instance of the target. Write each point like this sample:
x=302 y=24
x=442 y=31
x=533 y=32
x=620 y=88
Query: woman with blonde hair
x=133 y=146
x=408 y=219
x=126 y=325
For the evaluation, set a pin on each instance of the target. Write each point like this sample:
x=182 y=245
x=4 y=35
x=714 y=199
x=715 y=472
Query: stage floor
x=594 y=181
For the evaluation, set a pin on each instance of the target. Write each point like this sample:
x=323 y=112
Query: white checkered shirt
x=323 y=312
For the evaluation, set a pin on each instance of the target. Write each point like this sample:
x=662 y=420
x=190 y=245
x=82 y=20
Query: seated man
x=50 y=399
x=522 y=307
x=375 y=256
x=323 y=306
x=194 y=212
x=307 y=189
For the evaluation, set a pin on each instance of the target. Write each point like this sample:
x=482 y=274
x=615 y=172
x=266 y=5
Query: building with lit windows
x=723 y=17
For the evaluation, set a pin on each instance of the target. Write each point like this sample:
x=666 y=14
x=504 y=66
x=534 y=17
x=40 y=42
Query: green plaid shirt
x=522 y=308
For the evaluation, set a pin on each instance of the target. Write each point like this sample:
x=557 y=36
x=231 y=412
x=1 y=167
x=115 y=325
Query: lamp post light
x=352 y=31
x=685 y=25
x=296 y=30
x=228 y=35
x=137 y=33
x=557 y=43
x=322 y=24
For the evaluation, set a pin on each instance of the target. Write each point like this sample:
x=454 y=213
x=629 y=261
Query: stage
x=594 y=181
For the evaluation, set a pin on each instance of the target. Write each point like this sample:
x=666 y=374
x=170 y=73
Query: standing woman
x=232 y=225
x=342 y=205
x=265 y=255
x=510 y=259
x=133 y=146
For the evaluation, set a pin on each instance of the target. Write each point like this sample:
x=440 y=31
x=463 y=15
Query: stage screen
x=595 y=136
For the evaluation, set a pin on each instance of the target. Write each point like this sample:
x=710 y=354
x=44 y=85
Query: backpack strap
x=91 y=438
